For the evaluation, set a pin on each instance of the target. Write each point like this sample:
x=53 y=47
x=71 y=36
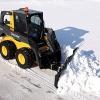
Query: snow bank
x=82 y=74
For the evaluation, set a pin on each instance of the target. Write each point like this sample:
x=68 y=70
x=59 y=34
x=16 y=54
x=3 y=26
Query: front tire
x=24 y=58
x=7 y=49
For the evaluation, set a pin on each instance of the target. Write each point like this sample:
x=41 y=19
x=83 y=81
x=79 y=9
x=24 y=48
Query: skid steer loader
x=25 y=38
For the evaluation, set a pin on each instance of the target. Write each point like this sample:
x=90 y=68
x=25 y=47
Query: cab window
x=6 y=19
x=36 y=20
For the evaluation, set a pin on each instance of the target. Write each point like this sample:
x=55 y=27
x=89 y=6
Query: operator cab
x=24 y=21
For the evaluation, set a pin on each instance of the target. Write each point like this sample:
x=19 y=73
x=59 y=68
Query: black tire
x=38 y=57
x=36 y=53
x=10 y=49
x=29 y=58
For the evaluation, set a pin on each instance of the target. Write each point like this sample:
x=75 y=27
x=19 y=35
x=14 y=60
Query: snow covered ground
x=18 y=84
x=76 y=23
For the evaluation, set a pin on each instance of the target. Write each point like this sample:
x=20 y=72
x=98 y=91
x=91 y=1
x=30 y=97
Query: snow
x=82 y=74
x=76 y=23
x=19 y=84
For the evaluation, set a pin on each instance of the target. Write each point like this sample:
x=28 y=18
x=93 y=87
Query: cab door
x=20 y=23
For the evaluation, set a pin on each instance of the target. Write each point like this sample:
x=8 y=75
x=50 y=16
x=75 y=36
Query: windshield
x=35 y=24
x=35 y=20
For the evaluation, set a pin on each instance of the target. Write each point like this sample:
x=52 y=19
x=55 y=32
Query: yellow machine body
x=17 y=43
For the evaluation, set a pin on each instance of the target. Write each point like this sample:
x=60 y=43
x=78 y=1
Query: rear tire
x=7 y=49
x=24 y=58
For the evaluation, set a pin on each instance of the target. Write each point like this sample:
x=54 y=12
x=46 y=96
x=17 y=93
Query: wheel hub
x=4 y=50
x=21 y=59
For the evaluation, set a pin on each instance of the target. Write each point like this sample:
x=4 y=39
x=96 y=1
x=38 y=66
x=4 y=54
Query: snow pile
x=82 y=74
